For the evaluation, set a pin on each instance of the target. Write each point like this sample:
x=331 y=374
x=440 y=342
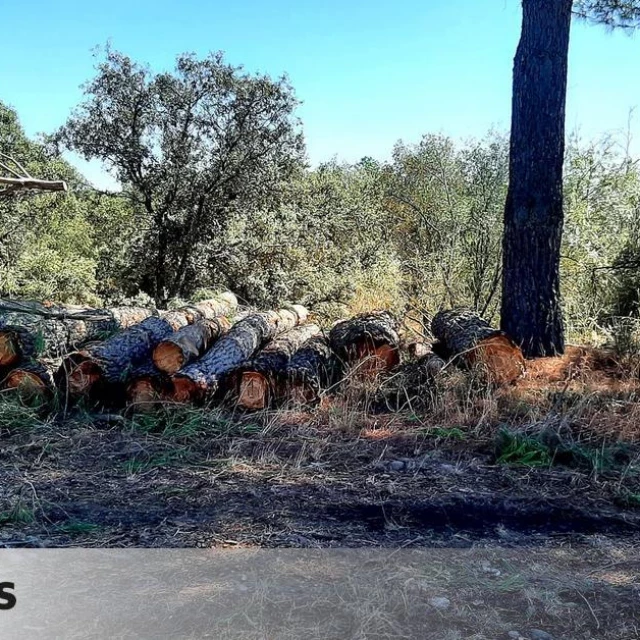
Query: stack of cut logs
x=212 y=351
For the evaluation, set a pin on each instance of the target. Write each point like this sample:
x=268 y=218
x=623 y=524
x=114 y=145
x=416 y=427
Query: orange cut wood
x=9 y=351
x=500 y=357
x=169 y=357
x=469 y=340
x=254 y=391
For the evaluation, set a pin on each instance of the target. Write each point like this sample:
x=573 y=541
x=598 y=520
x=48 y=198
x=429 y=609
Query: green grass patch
x=78 y=528
x=522 y=450
x=17 y=416
x=184 y=423
x=443 y=433
x=547 y=449
x=18 y=514
x=628 y=500
x=142 y=463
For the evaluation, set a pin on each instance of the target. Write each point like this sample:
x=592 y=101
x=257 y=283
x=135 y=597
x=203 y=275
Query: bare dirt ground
x=287 y=480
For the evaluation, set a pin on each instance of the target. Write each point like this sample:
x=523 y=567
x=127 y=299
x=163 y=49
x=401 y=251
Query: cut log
x=27 y=335
x=413 y=385
x=112 y=361
x=369 y=341
x=470 y=339
x=264 y=379
x=188 y=344
x=148 y=388
x=311 y=369
x=201 y=379
x=222 y=305
x=95 y=371
x=32 y=381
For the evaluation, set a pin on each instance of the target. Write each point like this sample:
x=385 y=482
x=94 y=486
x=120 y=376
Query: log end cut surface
x=143 y=393
x=186 y=390
x=83 y=377
x=28 y=385
x=254 y=391
x=168 y=357
x=500 y=357
x=376 y=359
x=9 y=350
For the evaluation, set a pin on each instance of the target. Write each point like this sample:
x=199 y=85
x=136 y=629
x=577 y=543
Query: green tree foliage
x=446 y=203
x=46 y=241
x=191 y=149
x=420 y=231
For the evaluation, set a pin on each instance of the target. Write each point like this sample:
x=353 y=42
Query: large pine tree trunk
x=531 y=312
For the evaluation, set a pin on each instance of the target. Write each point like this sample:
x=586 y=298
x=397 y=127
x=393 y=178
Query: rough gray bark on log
x=261 y=381
x=201 y=378
x=49 y=333
x=311 y=369
x=369 y=340
x=224 y=304
x=114 y=360
x=412 y=386
x=188 y=344
x=466 y=336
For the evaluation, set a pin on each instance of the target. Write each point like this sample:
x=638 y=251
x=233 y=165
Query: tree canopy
x=623 y=14
x=188 y=146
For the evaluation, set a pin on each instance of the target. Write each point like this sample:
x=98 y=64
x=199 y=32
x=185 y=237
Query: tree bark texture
x=533 y=219
x=369 y=341
x=202 y=378
x=188 y=344
x=25 y=335
x=113 y=361
x=263 y=380
x=311 y=369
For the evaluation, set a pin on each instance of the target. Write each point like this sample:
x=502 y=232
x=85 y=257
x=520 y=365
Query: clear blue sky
x=368 y=73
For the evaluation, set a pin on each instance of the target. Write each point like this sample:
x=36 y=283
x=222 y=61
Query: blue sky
x=368 y=73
